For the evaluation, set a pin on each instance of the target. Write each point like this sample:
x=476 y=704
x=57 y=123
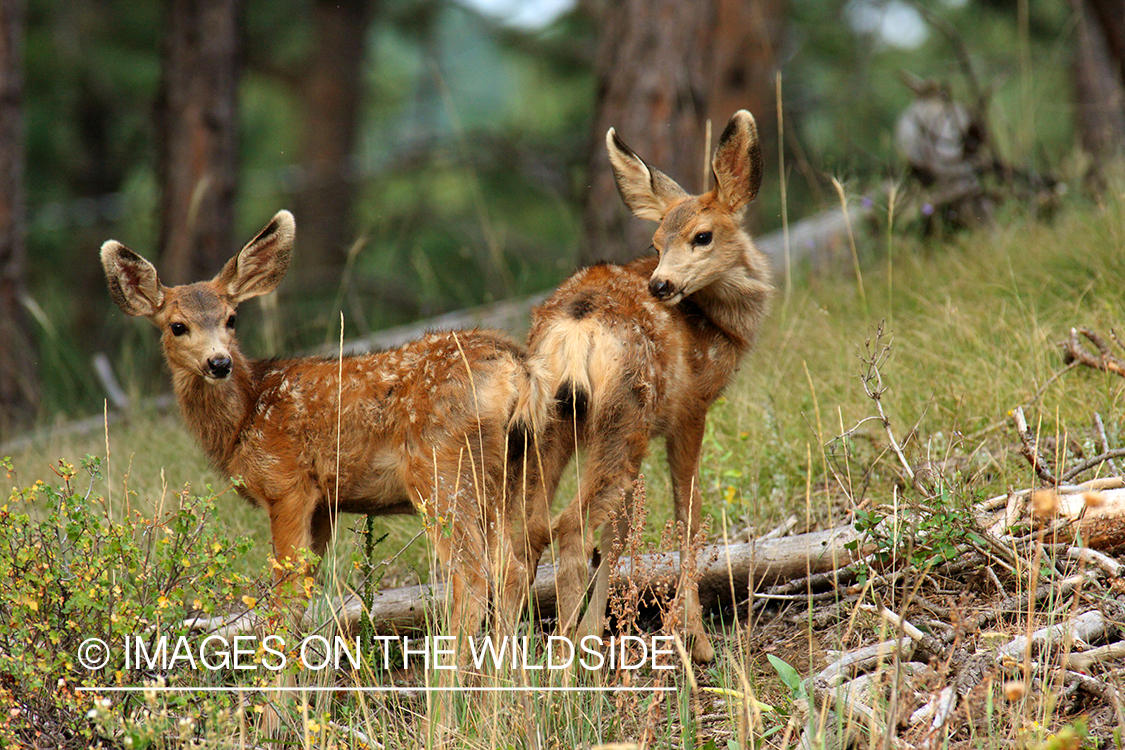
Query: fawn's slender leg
x=323 y=524
x=553 y=454
x=684 y=446
x=615 y=446
x=614 y=539
x=291 y=529
x=505 y=531
x=468 y=584
x=465 y=526
x=528 y=503
x=291 y=520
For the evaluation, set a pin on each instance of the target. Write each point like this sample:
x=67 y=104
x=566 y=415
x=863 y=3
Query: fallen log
x=1075 y=631
x=1088 y=512
x=725 y=575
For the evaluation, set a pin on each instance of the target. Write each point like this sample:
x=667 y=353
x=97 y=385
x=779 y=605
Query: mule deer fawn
x=642 y=350
x=432 y=426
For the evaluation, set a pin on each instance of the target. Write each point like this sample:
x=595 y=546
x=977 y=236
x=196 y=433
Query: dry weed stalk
x=875 y=352
x=633 y=596
x=644 y=586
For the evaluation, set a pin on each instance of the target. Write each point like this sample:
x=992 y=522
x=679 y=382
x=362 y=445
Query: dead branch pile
x=1056 y=624
x=1028 y=606
x=1075 y=351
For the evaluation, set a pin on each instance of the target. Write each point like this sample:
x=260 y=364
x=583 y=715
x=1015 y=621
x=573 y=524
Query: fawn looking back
x=429 y=426
x=642 y=350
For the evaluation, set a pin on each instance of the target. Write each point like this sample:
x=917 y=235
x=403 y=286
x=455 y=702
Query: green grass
x=974 y=325
x=973 y=321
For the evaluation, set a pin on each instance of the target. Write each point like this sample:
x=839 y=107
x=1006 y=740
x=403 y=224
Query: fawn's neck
x=216 y=411
x=737 y=303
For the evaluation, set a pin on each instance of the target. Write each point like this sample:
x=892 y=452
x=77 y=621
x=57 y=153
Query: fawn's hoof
x=702 y=652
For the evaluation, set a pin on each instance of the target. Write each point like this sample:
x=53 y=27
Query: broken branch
x=1029 y=446
x=1075 y=351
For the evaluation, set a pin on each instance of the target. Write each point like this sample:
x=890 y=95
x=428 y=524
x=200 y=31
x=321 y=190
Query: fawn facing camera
x=439 y=426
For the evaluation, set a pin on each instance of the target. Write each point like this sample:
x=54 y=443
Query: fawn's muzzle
x=218 y=367
x=661 y=289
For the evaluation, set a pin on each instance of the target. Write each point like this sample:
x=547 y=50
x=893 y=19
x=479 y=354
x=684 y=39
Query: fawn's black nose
x=219 y=367
x=661 y=289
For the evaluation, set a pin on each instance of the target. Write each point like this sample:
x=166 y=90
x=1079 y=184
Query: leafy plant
x=95 y=603
x=790 y=677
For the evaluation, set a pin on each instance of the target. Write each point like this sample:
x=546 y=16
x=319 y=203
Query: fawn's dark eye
x=178 y=329
x=231 y=321
x=703 y=238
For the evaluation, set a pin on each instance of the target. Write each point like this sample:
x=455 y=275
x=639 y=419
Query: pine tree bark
x=331 y=90
x=19 y=380
x=1099 y=77
x=197 y=133
x=663 y=68
x=1110 y=15
x=747 y=37
x=652 y=87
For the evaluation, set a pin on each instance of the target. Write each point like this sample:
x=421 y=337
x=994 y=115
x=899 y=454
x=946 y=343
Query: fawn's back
x=602 y=337
x=364 y=429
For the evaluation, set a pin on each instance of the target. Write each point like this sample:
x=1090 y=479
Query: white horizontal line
x=227 y=689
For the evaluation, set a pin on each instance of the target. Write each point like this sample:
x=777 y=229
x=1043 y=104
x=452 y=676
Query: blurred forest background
x=441 y=154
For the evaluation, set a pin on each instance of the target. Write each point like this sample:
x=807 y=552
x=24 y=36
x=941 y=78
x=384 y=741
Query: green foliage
x=798 y=692
x=1071 y=736
x=74 y=573
x=790 y=677
x=927 y=534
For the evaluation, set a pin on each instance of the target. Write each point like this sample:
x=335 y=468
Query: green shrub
x=73 y=573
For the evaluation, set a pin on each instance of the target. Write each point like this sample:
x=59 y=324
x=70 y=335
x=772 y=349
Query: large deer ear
x=738 y=162
x=648 y=192
x=261 y=265
x=132 y=280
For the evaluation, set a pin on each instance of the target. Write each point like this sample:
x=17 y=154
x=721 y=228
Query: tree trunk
x=748 y=34
x=197 y=133
x=1110 y=15
x=663 y=68
x=19 y=380
x=331 y=91
x=652 y=86
x=1099 y=77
